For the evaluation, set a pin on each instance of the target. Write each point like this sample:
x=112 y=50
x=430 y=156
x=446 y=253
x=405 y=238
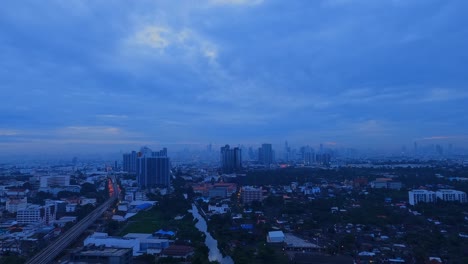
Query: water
x=214 y=254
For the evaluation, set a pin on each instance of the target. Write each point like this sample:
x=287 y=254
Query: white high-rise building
x=424 y=196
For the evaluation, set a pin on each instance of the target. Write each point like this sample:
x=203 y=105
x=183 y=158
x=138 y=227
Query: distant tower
x=251 y=154
x=231 y=159
x=287 y=151
x=439 y=150
x=308 y=155
x=265 y=154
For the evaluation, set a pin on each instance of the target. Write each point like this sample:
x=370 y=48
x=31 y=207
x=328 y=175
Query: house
x=218 y=209
x=70 y=208
x=275 y=237
x=85 y=201
x=178 y=251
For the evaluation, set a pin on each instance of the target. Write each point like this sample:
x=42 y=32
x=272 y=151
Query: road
x=48 y=254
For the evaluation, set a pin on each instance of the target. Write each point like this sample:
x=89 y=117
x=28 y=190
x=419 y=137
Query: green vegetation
x=144 y=222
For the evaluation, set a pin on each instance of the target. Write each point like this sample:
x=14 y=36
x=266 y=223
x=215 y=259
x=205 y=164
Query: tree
x=65 y=194
x=87 y=188
x=85 y=210
x=40 y=198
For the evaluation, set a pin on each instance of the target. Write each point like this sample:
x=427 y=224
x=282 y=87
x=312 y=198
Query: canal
x=214 y=253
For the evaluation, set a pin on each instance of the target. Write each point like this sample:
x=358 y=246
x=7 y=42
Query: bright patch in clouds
x=165 y=40
x=154 y=37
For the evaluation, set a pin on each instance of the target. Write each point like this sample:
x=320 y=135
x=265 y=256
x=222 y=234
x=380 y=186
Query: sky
x=99 y=75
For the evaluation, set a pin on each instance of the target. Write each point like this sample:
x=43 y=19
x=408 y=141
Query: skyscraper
x=287 y=152
x=308 y=155
x=152 y=168
x=231 y=159
x=129 y=162
x=265 y=155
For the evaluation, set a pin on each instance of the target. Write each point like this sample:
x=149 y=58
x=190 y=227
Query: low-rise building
x=275 y=237
x=418 y=196
x=451 y=195
x=36 y=214
x=178 y=251
x=13 y=205
x=93 y=254
x=85 y=201
x=218 y=209
x=141 y=243
x=250 y=194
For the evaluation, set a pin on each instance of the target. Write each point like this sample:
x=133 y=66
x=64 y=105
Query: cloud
x=444 y=137
x=89 y=131
x=336 y=70
x=444 y=94
x=236 y=2
x=8 y=132
x=111 y=116
x=373 y=127
x=162 y=38
x=154 y=37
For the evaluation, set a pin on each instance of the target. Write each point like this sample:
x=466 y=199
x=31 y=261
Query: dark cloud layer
x=95 y=74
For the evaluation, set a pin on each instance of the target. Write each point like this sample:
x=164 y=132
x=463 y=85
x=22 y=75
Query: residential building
x=13 y=205
x=34 y=214
x=425 y=196
x=231 y=159
x=250 y=194
x=219 y=189
x=153 y=169
x=218 y=209
x=451 y=195
x=178 y=251
x=129 y=162
x=54 y=180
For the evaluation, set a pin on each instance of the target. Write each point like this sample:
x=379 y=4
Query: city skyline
x=89 y=77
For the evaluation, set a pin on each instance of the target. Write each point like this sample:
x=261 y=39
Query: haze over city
x=93 y=76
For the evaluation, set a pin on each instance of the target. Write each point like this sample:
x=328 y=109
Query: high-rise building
x=309 y=158
x=265 y=155
x=323 y=159
x=252 y=155
x=129 y=162
x=308 y=155
x=161 y=153
x=152 y=168
x=287 y=152
x=231 y=159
